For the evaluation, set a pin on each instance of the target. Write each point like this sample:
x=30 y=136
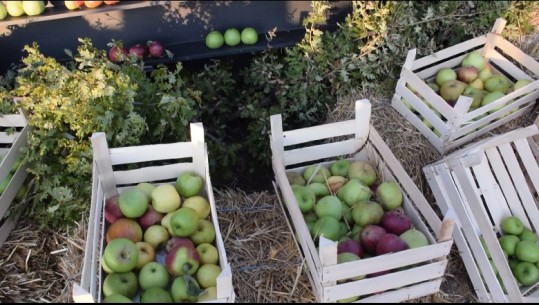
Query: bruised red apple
x=390 y=243
x=150 y=217
x=126 y=228
x=112 y=209
x=181 y=260
x=370 y=236
x=350 y=246
x=396 y=222
x=177 y=242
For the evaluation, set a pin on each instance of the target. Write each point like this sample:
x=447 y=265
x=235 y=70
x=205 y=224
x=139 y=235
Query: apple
x=117 y=54
x=156 y=295
x=3 y=11
x=335 y=183
x=157 y=236
x=346 y=257
x=153 y=274
x=112 y=209
x=367 y=212
x=328 y=227
x=526 y=273
x=396 y=222
x=208 y=253
x=184 y=222
x=179 y=241
x=389 y=195
x=121 y=255
x=147 y=188
x=356 y=232
x=105 y=267
x=451 y=90
x=348 y=300
x=311 y=175
x=111 y=2
x=207 y=274
x=509 y=243
x=165 y=198
x=117 y=298
x=14 y=8
x=527 y=234
x=295 y=178
x=319 y=189
x=527 y=251
x=182 y=259
x=208 y=294
x=414 y=238
x=73 y=5
x=444 y=75
x=347 y=213
x=165 y=222
x=363 y=171
x=511 y=225
x=344 y=231
x=133 y=203
x=521 y=83
x=467 y=74
x=199 y=204
x=350 y=246
x=189 y=184
x=474 y=59
x=492 y=97
x=329 y=205
x=497 y=82
x=370 y=236
x=390 y=243
x=146 y=254
x=205 y=232
x=184 y=291
x=93 y=4
x=513 y=262
x=354 y=191
x=434 y=87
x=155 y=48
x=126 y=228
x=124 y=283
x=33 y=8
x=150 y=217
x=476 y=94
x=477 y=84
x=340 y=167
x=305 y=197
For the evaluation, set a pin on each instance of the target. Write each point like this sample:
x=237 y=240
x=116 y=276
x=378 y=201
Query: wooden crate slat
x=406 y=293
x=517 y=54
x=507 y=66
x=308 y=134
x=12 y=120
x=322 y=151
x=449 y=52
x=6 y=138
x=156 y=152
x=152 y=173
x=530 y=163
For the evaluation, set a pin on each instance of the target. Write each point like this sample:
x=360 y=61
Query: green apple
x=451 y=90
x=363 y=171
x=295 y=178
x=527 y=251
x=434 y=87
x=124 y=283
x=367 y=212
x=156 y=295
x=347 y=213
x=444 y=75
x=146 y=254
x=509 y=243
x=157 y=236
x=389 y=195
x=207 y=274
x=319 y=189
x=147 y=188
x=165 y=198
x=165 y=222
x=153 y=274
x=475 y=94
x=354 y=191
x=189 y=184
x=497 y=83
x=33 y=8
x=528 y=234
x=511 y=225
x=311 y=175
x=521 y=83
x=184 y=222
x=344 y=231
x=474 y=59
x=340 y=167
x=348 y=300
x=356 y=231
x=305 y=197
x=199 y=204
x=3 y=11
x=133 y=203
x=208 y=253
x=329 y=205
x=117 y=298
x=249 y=36
x=328 y=227
x=14 y=8
x=414 y=238
x=526 y=273
x=204 y=233
x=208 y=294
x=185 y=291
x=492 y=97
x=513 y=262
x=485 y=73
x=121 y=255
x=232 y=37
x=477 y=84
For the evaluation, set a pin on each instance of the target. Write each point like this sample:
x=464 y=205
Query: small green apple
x=311 y=175
x=295 y=178
x=528 y=234
x=208 y=253
x=121 y=255
x=133 y=203
x=354 y=191
x=199 y=204
x=329 y=205
x=511 y=225
x=156 y=295
x=305 y=197
x=204 y=233
x=117 y=298
x=207 y=274
x=340 y=167
x=189 y=184
x=444 y=75
x=526 y=273
x=153 y=274
x=527 y=251
x=509 y=243
x=184 y=222
x=124 y=283
x=389 y=195
x=328 y=227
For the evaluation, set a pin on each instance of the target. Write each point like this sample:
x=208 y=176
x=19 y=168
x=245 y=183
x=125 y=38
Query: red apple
x=350 y=246
x=467 y=74
x=182 y=259
x=396 y=222
x=115 y=53
x=112 y=209
x=150 y=218
x=139 y=51
x=370 y=236
x=390 y=243
x=177 y=242
x=72 y=5
x=93 y=4
x=126 y=228
x=156 y=48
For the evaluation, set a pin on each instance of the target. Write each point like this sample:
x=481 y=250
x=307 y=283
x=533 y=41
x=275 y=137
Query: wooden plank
x=322 y=151
x=199 y=149
x=155 y=152
x=6 y=138
x=318 y=132
x=152 y=173
x=12 y=120
x=524 y=59
x=406 y=293
x=449 y=52
x=102 y=158
x=532 y=169
x=507 y=66
x=496 y=30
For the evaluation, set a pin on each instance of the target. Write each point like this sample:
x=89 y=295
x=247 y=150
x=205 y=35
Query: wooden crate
x=457 y=125
x=427 y=264
x=106 y=182
x=10 y=147
x=479 y=185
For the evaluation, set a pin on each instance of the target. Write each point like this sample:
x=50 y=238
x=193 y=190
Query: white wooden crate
x=456 y=125
x=324 y=272
x=11 y=144
x=107 y=182
x=481 y=184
